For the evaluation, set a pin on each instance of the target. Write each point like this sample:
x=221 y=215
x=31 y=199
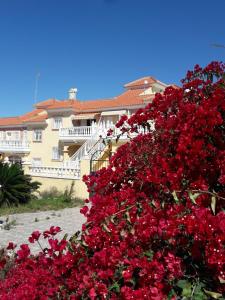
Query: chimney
x=72 y=94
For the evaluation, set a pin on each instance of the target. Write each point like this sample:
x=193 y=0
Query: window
x=8 y=135
x=36 y=162
x=57 y=123
x=37 y=135
x=12 y=135
x=55 y=153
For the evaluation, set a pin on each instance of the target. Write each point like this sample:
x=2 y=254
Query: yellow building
x=55 y=141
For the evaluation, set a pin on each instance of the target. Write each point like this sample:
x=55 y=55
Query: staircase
x=85 y=152
x=91 y=146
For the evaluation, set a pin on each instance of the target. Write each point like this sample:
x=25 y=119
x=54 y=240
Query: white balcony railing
x=14 y=146
x=97 y=130
x=55 y=172
x=77 y=132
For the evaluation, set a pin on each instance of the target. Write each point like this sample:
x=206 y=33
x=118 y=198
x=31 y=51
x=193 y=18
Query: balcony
x=14 y=146
x=80 y=133
x=55 y=172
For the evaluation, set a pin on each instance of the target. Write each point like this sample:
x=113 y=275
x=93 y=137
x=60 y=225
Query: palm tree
x=15 y=187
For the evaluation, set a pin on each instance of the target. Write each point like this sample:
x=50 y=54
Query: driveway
x=22 y=225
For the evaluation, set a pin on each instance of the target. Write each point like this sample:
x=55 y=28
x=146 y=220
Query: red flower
x=84 y=210
x=34 y=236
x=156 y=213
x=24 y=252
x=11 y=246
x=52 y=231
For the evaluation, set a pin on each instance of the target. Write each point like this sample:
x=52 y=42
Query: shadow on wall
x=72 y=149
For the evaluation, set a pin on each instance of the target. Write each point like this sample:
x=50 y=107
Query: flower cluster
x=155 y=228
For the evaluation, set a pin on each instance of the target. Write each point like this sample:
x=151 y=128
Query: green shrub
x=52 y=192
x=15 y=187
x=69 y=193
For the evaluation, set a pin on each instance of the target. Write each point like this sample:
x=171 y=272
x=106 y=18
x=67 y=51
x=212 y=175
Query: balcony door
x=90 y=121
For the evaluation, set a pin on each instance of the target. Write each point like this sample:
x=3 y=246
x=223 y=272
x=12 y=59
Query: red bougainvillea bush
x=156 y=225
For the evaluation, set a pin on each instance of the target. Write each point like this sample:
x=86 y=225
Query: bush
x=15 y=187
x=67 y=196
x=156 y=226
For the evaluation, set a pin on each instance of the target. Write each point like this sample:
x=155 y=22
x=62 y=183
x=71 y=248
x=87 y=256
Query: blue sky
x=99 y=45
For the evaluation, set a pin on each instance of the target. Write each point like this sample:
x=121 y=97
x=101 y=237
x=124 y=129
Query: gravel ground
x=69 y=220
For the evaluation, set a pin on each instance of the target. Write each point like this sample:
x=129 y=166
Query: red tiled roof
x=144 y=81
x=10 y=121
x=131 y=97
x=128 y=98
x=33 y=116
x=64 y=104
x=38 y=118
x=45 y=103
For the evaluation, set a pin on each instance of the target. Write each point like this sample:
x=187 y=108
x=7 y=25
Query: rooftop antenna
x=36 y=86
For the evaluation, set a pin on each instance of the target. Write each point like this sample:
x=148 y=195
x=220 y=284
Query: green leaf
x=153 y=203
x=113 y=219
x=128 y=216
x=105 y=227
x=65 y=237
x=199 y=293
x=193 y=197
x=118 y=137
x=115 y=286
x=171 y=294
x=149 y=254
x=183 y=284
x=213 y=204
x=175 y=197
x=214 y=295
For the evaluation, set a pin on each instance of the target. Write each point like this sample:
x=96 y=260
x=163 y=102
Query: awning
x=113 y=112
x=83 y=116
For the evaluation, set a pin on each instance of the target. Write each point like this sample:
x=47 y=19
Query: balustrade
x=55 y=172
x=81 y=131
x=99 y=129
x=7 y=145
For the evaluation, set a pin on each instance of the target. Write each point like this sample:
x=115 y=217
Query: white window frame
x=37 y=135
x=55 y=153
x=57 y=123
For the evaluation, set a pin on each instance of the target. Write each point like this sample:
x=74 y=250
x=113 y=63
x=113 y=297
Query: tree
x=15 y=187
x=156 y=226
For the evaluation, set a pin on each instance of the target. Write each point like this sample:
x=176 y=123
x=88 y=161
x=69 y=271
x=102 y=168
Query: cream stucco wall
x=80 y=189
x=50 y=139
